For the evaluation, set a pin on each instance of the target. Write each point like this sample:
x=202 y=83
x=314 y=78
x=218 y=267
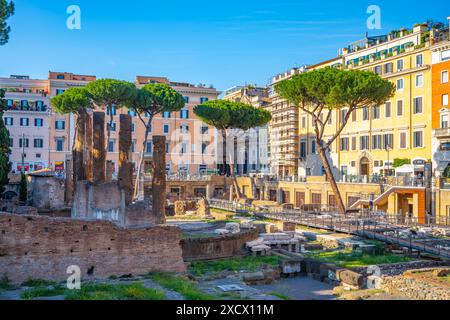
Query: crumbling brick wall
x=223 y=246
x=41 y=247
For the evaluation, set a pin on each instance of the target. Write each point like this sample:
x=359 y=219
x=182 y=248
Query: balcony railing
x=43 y=108
x=442 y=133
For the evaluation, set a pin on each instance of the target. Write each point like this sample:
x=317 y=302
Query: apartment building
x=250 y=148
x=28 y=121
x=191 y=144
x=283 y=129
x=62 y=126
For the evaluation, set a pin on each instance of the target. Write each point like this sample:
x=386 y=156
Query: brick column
x=99 y=152
x=125 y=163
x=79 y=172
x=69 y=182
x=159 y=179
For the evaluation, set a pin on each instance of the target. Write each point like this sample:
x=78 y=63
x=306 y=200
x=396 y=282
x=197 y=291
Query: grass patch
x=135 y=291
x=185 y=287
x=39 y=292
x=350 y=259
x=248 y=263
x=280 y=295
x=5 y=283
x=33 y=283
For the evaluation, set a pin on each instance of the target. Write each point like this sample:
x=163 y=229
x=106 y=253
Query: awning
x=442 y=165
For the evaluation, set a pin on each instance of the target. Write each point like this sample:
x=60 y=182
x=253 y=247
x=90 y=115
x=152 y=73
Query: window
x=387 y=110
x=167 y=147
x=111 y=146
x=419 y=80
x=186 y=99
x=303 y=148
x=316 y=198
x=60 y=77
x=24 y=104
x=419 y=60
x=59 y=91
x=378 y=70
x=444 y=120
x=445 y=100
x=364 y=142
x=9 y=121
x=343 y=115
x=330 y=119
x=149 y=148
x=365 y=113
x=388 y=141
x=445 y=55
x=418 y=139
x=376 y=142
x=344 y=171
x=313 y=146
x=353 y=143
x=184 y=128
x=445 y=146
x=354 y=114
x=303 y=122
x=113 y=110
x=376 y=112
x=38 y=122
x=132 y=113
x=400 y=65
x=183 y=148
x=388 y=67
x=203 y=99
x=204 y=146
x=133 y=146
x=402 y=140
x=24 y=122
x=60 y=124
x=166 y=114
x=38 y=143
x=133 y=127
x=59 y=144
x=11 y=142
x=184 y=114
x=418 y=105
x=112 y=126
x=166 y=128
x=399 y=107
x=400 y=84
x=444 y=76
x=23 y=143
x=344 y=144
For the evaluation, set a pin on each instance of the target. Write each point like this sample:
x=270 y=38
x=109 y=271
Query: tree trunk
x=224 y=153
x=108 y=128
x=330 y=178
x=137 y=187
x=233 y=175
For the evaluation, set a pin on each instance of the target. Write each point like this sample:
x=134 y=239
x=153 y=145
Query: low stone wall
x=414 y=288
x=41 y=247
x=217 y=247
x=394 y=269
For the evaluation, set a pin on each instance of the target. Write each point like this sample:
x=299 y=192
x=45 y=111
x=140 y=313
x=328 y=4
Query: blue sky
x=223 y=43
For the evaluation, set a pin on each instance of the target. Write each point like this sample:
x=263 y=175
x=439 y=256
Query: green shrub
x=248 y=263
x=181 y=285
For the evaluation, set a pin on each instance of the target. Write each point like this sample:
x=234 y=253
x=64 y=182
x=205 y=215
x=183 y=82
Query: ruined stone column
x=69 y=182
x=109 y=170
x=88 y=148
x=125 y=163
x=159 y=179
x=99 y=152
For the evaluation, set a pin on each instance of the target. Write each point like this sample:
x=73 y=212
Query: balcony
x=42 y=108
x=442 y=133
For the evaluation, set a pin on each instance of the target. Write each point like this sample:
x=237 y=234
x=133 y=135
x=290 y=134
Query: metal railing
x=369 y=224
